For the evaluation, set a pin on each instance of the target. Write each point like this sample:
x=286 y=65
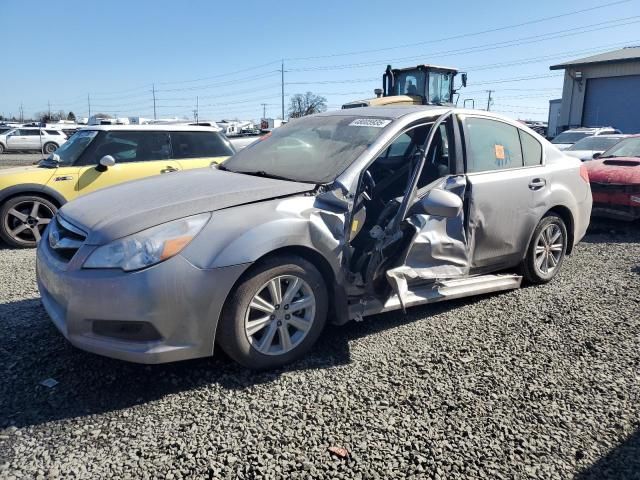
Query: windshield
x=595 y=143
x=571 y=137
x=71 y=150
x=310 y=149
x=439 y=87
x=628 y=147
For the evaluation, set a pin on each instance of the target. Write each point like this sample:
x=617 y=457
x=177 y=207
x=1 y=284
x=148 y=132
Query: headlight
x=148 y=247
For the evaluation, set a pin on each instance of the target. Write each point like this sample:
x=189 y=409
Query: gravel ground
x=543 y=382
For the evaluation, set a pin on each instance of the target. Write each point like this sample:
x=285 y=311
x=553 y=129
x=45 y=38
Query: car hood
x=27 y=174
x=619 y=170
x=125 y=209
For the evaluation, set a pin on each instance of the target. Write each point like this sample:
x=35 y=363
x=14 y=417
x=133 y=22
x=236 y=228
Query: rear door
x=503 y=189
x=138 y=154
x=199 y=149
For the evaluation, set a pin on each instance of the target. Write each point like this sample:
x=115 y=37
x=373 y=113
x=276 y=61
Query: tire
x=1 y=148
x=24 y=218
x=544 y=259
x=50 y=147
x=253 y=337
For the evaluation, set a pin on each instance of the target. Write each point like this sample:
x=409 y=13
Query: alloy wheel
x=549 y=249
x=280 y=315
x=26 y=221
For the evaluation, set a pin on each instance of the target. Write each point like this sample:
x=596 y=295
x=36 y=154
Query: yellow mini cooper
x=97 y=157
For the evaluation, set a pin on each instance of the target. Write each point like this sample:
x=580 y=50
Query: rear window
x=571 y=137
x=199 y=145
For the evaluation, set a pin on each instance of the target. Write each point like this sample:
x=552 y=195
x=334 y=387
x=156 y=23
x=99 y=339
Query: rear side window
x=29 y=133
x=52 y=132
x=199 y=145
x=492 y=145
x=531 y=150
x=131 y=147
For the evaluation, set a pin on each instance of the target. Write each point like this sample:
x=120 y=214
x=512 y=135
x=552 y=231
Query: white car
x=569 y=137
x=46 y=140
x=586 y=148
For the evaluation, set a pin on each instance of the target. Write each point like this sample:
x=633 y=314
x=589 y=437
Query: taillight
x=584 y=173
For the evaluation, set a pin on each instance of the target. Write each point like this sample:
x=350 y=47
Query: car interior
x=380 y=193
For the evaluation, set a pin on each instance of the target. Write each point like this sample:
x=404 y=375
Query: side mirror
x=596 y=155
x=441 y=203
x=464 y=79
x=105 y=162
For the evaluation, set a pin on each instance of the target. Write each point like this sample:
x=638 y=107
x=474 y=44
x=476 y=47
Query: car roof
x=398 y=111
x=156 y=128
x=588 y=129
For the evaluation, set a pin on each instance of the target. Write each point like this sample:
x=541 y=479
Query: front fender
x=31 y=188
x=243 y=234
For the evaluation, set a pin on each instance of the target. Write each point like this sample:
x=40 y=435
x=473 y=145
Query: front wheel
x=24 y=218
x=275 y=314
x=546 y=251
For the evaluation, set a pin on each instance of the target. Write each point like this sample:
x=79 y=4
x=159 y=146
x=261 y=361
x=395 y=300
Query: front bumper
x=620 y=202
x=167 y=312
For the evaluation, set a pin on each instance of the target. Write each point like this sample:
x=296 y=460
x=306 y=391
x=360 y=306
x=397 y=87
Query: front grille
x=65 y=239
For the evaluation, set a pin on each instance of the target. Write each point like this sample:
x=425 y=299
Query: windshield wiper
x=262 y=173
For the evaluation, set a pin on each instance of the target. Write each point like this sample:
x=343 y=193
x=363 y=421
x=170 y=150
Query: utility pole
x=153 y=91
x=89 y=105
x=264 y=110
x=489 y=99
x=195 y=112
x=282 y=72
x=21 y=113
x=49 y=108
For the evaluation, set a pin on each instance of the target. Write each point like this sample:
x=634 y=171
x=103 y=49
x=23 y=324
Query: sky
x=229 y=54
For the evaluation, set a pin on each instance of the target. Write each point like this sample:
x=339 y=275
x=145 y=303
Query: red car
x=615 y=180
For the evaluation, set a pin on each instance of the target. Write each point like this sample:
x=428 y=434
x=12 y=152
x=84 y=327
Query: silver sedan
x=333 y=217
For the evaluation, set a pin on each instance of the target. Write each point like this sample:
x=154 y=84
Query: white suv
x=45 y=140
x=569 y=137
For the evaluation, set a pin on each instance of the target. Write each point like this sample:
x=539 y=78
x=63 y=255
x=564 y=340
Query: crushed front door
x=439 y=248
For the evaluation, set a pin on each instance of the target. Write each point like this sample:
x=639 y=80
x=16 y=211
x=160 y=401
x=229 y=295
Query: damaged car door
x=507 y=185
x=432 y=216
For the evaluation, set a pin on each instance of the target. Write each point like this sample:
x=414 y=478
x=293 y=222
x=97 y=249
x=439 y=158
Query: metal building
x=602 y=90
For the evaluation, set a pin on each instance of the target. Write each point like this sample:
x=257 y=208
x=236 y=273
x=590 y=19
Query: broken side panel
x=439 y=249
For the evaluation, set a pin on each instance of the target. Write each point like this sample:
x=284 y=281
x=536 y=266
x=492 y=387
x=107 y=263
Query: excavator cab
x=421 y=85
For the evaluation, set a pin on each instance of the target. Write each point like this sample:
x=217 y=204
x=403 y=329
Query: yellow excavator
x=420 y=85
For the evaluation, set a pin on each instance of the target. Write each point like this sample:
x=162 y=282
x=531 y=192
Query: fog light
x=126 y=330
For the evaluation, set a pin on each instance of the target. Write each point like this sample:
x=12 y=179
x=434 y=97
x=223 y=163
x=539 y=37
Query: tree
x=102 y=115
x=43 y=117
x=306 y=104
x=71 y=116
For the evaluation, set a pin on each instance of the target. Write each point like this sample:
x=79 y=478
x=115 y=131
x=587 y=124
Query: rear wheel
x=547 y=250
x=50 y=147
x=1 y=148
x=275 y=314
x=24 y=218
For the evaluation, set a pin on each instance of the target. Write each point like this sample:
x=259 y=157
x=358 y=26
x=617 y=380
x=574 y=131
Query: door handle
x=168 y=169
x=537 y=183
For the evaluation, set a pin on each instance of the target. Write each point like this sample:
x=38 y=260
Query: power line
x=464 y=35
x=488 y=46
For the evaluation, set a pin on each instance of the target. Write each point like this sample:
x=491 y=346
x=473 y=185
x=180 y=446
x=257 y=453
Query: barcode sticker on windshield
x=370 y=122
